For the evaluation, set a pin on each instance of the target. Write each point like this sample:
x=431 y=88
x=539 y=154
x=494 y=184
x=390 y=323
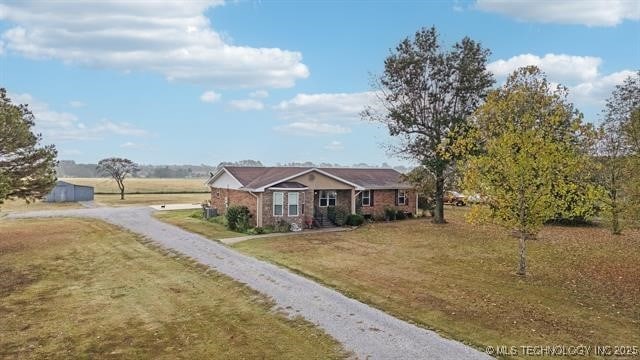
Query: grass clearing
x=143 y=185
x=79 y=288
x=583 y=285
x=150 y=199
x=21 y=205
x=190 y=220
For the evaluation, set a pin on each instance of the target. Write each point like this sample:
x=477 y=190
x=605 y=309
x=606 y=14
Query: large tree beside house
x=526 y=149
x=426 y=94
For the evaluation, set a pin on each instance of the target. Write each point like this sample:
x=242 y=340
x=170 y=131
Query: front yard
x=583 y=285
x=76 y=288
x=192 y=220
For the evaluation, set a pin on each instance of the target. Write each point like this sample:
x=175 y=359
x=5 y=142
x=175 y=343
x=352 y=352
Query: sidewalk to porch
x=235 y=240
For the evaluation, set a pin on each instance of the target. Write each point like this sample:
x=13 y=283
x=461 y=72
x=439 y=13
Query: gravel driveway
x=367 y=332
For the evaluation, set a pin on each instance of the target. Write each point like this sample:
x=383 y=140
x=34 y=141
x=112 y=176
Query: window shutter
x=371 y=198
x=397 y=197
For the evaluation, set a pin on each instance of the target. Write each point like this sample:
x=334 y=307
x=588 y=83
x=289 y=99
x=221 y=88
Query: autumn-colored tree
x=27 y=170
x=426 y=93
x=118 y=169
x=524 y=149
x=618 y=153
x=632 y=135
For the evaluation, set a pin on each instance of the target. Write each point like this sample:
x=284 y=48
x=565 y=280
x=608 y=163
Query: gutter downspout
x=258 y=210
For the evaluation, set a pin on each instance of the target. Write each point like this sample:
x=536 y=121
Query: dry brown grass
x=151 y=199
x=583 y=285
x=143 y=185
x=21 y=205
x=192 y=220
x=73 y=288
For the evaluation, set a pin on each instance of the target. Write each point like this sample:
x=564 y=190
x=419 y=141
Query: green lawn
x=75 y=288
x=191 y=220
x=583 y=285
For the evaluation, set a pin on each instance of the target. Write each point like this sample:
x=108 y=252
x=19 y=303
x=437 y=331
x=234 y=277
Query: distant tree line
x=70 y=169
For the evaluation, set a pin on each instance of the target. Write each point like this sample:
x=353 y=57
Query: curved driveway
x=367 y=332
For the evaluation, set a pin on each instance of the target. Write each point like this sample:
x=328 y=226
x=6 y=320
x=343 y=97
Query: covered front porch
x=330 y=205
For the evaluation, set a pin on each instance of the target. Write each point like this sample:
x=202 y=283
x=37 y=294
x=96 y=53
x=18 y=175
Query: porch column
x=353 y=201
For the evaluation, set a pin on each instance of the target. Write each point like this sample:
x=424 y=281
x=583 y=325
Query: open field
x=183 y=219
x=583 y=285
x=151 y=199
x=143 y=185
x=76 y=288
x=108 y=200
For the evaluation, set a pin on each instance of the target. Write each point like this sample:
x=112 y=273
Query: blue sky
x=276 y=81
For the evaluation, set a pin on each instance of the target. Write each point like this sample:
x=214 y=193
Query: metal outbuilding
x=67 y=192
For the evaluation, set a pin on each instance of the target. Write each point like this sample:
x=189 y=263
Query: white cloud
x=60 y=126
x=259 y=94
x=130 y=145
x=584 y=12
x=558 y=66
x=45 y=116
x=70 y=152
x=312 y=128
x=173 y=38
x=334 y=146
x=326 y=107
x=210 y=97
x=246 y=104
x=76 y=104
x=323 y=113
x=588 y=87
x=596 y=91
x=106 y=126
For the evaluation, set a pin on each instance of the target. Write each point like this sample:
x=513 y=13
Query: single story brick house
x=300 y=194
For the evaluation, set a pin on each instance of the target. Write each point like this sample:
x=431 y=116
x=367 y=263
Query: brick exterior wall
x=222 y=198
x=383 y=198
x=267 y=208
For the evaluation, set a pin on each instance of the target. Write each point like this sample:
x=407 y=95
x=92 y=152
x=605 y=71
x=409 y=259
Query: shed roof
x=65 y=183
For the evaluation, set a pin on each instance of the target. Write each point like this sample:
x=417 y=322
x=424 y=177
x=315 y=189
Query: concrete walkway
x=367 y=332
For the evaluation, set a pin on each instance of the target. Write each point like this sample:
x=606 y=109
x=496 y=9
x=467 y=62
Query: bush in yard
x=341 y=215
x=400 y=215
x=238 y=218
x=389 y=213
x=355 y=220
x=379 y=216
x=282 y=226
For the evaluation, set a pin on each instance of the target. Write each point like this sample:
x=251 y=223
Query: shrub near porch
x=583 y=288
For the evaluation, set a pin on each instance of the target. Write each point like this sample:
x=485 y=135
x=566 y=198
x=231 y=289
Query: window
x=293 y=203
x=278 y=203
x=366 y=198
x=328 y=198
x=402 y=197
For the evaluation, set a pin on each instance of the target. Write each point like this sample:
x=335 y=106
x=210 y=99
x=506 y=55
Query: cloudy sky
x=277 y=81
